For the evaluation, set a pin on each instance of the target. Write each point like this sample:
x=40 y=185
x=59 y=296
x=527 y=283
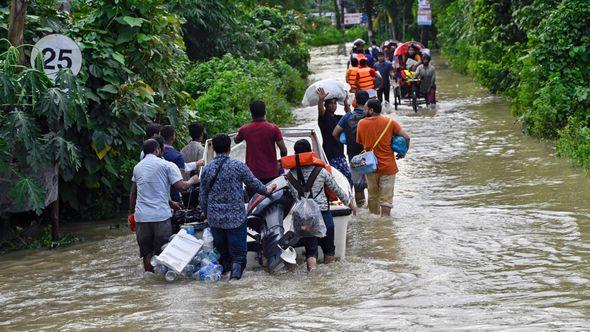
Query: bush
x=329 y=35
x=537 y=53
x=224 y=87
x=214 y=28
x=133 y=61
x=132 y=74
x=554 y=97
x=574 y=140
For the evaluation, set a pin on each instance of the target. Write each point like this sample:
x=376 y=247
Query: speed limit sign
x=58 y=52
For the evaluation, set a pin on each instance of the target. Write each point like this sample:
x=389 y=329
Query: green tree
x=536 y=52
x=133 y=63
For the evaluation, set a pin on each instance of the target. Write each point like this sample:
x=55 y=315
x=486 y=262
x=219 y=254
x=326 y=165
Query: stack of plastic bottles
x=204 y=265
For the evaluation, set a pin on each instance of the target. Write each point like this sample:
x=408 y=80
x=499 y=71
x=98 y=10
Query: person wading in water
x=327 y=122
x=149 y=204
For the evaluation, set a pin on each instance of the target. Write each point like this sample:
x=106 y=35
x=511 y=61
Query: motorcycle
x=265 y=219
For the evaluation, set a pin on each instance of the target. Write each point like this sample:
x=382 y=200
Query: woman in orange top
x=380 y=183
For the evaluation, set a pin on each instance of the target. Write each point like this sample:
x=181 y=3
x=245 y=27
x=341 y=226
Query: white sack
x=358 y=42
x=333 y=88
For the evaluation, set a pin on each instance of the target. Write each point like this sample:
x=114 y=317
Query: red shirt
x=261 y=154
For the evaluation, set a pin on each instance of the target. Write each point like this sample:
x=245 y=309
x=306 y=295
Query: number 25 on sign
x=58 y=52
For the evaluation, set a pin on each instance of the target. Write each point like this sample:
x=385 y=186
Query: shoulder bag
x=366 y=162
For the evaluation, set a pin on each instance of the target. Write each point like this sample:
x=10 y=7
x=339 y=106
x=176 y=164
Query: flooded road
x=488 y=231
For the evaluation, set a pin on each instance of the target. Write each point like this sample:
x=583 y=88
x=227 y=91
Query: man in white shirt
x=149 y=200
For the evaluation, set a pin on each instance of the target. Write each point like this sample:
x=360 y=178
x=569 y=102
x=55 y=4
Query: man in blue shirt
x=348 y=124
x=149 y=203
x=370 y=58
x=385 y=68
x=172 y=155
x=374 y=49
x=221 y=197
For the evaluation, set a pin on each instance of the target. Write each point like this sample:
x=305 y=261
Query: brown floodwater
x=489 y=230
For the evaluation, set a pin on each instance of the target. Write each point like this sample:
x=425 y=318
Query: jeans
x=326 y=242
x=232 y=245
x=384 y=90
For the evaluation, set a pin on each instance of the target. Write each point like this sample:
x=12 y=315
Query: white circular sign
x=59 y=52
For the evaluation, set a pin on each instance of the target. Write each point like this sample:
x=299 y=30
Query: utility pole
x=392 y=19
x=339 y=16
x=369 y=12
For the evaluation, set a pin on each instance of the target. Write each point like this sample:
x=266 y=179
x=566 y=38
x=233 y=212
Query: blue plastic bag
x=342 y=138
x=364 y=163
x=399 y=144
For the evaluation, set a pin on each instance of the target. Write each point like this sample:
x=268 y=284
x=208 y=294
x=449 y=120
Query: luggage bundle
x=187 y=257
x=334 y=89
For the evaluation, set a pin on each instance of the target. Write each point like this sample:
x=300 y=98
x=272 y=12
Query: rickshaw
x=406 y=89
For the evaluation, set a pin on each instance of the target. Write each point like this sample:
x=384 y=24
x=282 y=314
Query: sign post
x=353 y=18
x=58 y=52
x=424 y=17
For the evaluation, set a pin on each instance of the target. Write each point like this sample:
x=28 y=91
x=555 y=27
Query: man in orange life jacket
x=360 y=54
x=351 y=74
x=365 y=75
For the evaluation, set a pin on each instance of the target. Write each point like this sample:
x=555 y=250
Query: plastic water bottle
x=196 y=276
x=211 y=272
x=214 y=255
x=160 y=270
x=218 y=269
x=171 y=276
x=207 y=239
x=154 y=261
x=189 y=229
x=189 y=270
x=205 y=261
x=199 y=257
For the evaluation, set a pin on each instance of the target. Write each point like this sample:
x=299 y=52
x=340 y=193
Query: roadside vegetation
x=182 y=60
x=143 y=61
x=537 y=53
x=320 y=32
